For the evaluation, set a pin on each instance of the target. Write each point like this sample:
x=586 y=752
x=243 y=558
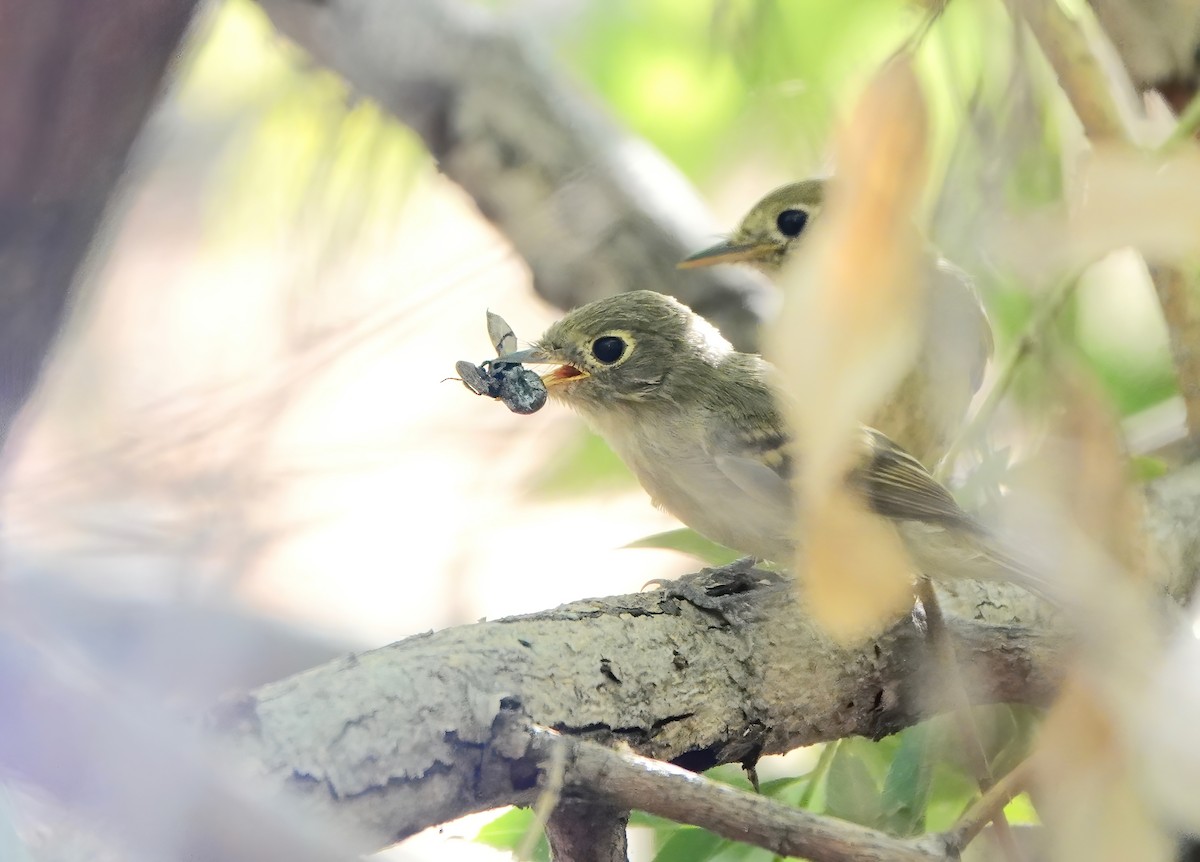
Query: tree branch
x=76 y=87
x=586 y=830
x=696 y=686
x=682 y=796
x=989 y=806
x=592 y=209
x=1093 y=97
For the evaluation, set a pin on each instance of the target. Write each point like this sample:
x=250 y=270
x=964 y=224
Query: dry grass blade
x=858 y=573
x=1101 y=104
x=1093 y=798
x=846 y=335
x=1088 y=794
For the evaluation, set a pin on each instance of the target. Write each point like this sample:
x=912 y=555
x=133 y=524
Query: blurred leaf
x=297 y=142
x=1014 y=741
x=688 y=541
x=691 y=844
x=787 y=791
x=909 y=782
x=584 y=466
x=1147 y=468
x=731 y=774
x=1021 y=810
x=950 y=792
x=508 y=830
x=851 y=792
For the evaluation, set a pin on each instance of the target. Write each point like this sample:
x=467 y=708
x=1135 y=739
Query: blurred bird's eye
x=608 y=348
x=791 y=222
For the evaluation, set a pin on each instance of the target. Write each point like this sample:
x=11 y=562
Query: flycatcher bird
x=699 y=424
x=927 y=409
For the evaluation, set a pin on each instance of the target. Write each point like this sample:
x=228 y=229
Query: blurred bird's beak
x=725 y=252
x=536 y=356
x=530 y=356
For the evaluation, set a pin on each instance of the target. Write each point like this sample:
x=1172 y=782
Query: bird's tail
x=945 y=553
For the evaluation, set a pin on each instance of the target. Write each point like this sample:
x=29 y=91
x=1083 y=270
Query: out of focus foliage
x=741 y=94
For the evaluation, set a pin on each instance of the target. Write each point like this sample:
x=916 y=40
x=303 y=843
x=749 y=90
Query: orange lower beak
x=563 y=374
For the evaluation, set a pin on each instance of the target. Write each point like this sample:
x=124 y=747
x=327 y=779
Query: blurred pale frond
x=298 y=148
x=846 y=335
x=1083 y=513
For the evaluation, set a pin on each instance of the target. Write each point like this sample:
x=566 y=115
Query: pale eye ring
x=609 y=349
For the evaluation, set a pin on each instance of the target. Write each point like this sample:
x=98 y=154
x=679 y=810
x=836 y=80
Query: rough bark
x=585 y=830
x=593 y=210
x=76 y=83
x=400 y=738
x=403 y=737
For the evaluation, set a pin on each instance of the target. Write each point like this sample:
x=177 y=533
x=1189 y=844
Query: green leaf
x=1021 y=810
x=508 y=830
x=851 y=792
x=1146 y=468
x=690 y=844
x=951 y=792
x=909 y=782
x=813 y=796
x=788 y=791
x=688 y=542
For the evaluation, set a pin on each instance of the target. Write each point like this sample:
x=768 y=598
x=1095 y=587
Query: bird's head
x=637 y=347
x=770 y=230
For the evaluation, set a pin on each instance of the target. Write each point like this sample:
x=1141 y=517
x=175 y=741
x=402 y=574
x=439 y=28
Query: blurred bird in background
x=927 y=408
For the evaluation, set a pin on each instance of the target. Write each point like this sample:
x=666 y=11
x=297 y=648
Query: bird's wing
x=755 y=478
x=753 y=450
x=897 y=486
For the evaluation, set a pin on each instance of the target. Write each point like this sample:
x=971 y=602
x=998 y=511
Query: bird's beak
x=726 y=252
x=564 y=373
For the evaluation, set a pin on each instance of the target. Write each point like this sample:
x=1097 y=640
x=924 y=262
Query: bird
x=701 y=427
x=927 y=409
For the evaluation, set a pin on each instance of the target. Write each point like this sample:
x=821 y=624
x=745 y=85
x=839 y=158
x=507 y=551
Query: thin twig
x=1175 y=295
x=1185 y=128
x=547 y=800
x=968 y=730
x=1078 y=70
x=989 y=806
x=1091 y=94
x=629 y=781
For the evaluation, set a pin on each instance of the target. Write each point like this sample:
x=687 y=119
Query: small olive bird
x=927 y=409
x=700 y=426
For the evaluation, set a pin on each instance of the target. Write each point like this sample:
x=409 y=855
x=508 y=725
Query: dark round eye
x=608 y=348
x=791 y=222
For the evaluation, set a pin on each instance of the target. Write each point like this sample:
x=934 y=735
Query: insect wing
x=502 y=335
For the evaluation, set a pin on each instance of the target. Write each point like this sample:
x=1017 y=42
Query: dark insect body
x=520 y=389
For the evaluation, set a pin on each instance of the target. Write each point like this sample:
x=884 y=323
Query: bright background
x=251 y=406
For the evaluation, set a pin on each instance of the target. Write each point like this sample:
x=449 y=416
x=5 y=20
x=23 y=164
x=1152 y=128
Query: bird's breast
x=672 y=461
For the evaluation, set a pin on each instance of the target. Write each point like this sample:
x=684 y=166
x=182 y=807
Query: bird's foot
x=710 y=588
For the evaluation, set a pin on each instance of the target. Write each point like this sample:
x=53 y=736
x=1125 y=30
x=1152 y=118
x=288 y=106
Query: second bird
x=928 y=408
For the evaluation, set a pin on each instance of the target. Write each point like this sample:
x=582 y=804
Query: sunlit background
x=251 y=407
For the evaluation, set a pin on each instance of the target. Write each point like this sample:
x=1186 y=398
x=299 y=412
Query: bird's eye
x=608 y=348
x=791 y=222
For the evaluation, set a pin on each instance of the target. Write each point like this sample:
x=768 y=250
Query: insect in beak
x=536 y=356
